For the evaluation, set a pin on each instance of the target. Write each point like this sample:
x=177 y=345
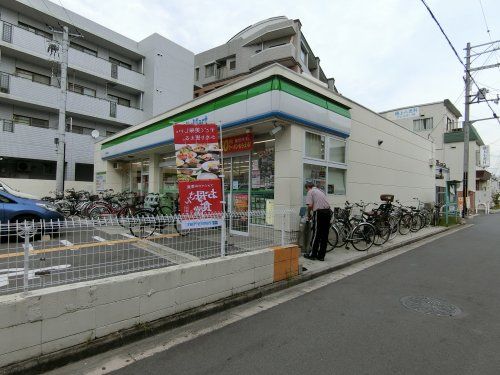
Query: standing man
x=321 y=214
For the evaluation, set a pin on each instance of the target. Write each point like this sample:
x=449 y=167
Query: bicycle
x=360 y=235
x=147 y=221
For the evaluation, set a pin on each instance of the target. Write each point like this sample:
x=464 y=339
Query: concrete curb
x=60 y=358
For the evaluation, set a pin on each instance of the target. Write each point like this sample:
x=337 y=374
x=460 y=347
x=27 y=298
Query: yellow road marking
x=88 y=244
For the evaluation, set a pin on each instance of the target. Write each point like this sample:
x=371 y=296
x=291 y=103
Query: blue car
x=14 y=209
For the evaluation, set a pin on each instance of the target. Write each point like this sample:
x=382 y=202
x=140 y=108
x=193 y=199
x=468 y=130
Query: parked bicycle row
x=378 y=225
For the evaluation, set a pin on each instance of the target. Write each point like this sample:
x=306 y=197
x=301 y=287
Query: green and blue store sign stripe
x=273 y=97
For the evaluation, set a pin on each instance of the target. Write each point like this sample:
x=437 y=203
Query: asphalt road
x=358 y=325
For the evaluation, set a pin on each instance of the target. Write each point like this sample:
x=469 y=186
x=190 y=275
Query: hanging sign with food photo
x=198 y=161
x=197 y=153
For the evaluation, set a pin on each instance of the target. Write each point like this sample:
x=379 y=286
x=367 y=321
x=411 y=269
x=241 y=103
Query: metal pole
x=62 y=112
x=27 y=234
x=283 y=229
x=466 y=130
x=223 y=235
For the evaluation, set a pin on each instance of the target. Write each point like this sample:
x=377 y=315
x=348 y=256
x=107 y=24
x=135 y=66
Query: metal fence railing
x=38 y=254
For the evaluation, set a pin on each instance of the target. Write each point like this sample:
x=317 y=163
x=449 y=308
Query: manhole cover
x=428 y=305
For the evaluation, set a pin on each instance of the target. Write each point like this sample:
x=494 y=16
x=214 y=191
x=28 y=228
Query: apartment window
x=30 y=121
x=81 y=48
x=35 y=30
x=232 y=65
x=84 y=172
x=120 y=63
x=35 y=77
x=422 y=124
x=209 y=70
x=28 y=168
x=197 y=74
x=303 y=53
x=75 y=129
x=79 y=89
x=119 y=100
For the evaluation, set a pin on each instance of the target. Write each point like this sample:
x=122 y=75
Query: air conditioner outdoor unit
x=117 y=166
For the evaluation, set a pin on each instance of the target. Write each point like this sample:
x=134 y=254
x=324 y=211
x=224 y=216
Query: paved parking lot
x=82 y=252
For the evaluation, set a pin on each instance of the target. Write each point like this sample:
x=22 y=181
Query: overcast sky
x=383 y=54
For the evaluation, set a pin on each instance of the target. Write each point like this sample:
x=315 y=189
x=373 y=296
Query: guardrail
x=39 y=254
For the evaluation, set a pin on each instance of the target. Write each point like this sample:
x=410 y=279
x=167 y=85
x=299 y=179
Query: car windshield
x=4 y=186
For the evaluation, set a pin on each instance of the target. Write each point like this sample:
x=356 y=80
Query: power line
x=467 y=71
x=487 y=28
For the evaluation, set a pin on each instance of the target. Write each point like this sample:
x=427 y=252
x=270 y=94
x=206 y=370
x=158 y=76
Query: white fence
x=39 y=254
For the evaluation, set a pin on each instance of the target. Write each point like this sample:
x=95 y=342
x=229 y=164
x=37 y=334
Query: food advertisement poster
x=201 y=199
x=238 y=143
x=197 y=157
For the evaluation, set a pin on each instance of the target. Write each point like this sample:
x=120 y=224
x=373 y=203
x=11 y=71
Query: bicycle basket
x=388 y=198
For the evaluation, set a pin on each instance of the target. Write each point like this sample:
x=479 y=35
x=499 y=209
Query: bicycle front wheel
x=143 y=224
x=382 y=233
x=405 y=224
x=416 y=223
x=363 y=236
x=333 y=238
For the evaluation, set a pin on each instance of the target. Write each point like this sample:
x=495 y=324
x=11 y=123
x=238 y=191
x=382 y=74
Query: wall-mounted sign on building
x=407 y=113
x=197 y=157
x=238 y=143
x=484 y=156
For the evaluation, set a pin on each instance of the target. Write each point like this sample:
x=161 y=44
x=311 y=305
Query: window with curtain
x=315 y=146
x=336 y=150
x=422 y=124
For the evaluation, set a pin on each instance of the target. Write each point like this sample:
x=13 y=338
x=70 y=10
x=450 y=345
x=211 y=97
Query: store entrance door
x=237 y=192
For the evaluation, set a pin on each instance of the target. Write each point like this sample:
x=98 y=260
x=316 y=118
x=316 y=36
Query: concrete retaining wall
x=45 y=321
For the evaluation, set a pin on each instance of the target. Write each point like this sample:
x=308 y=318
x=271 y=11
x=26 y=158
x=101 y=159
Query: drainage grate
x=428 y=305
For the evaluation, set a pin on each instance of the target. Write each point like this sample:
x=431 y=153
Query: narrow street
x=359 y=325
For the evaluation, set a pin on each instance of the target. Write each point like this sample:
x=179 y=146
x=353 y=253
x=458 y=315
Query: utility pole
x=467 y=122
x=466 y=131
x=61 y=144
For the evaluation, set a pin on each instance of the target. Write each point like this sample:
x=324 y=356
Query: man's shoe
x=308 y=256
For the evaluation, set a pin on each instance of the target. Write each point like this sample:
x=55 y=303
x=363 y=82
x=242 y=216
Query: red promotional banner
x=238 y=143
x=200 y=198
x=195 y=134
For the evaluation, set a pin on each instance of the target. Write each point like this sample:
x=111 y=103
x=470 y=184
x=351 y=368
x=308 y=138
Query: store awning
x=276 y=96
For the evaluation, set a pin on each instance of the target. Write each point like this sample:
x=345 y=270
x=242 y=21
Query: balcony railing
x=26 y=90
x=286 y=51
x=33 y=43
x=103 y=109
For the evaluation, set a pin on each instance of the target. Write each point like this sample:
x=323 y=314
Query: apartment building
x=439 y=122
x=274 y=40
x=113 y=82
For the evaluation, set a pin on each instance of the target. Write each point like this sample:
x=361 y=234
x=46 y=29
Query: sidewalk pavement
x=340 y=257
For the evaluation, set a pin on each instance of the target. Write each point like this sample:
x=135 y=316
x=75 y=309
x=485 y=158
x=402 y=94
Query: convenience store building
x=301 y=131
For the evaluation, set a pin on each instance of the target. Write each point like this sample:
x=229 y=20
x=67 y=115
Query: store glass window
x=336 y=181
x=315 y=174
x=336 y=150
x=315 y=146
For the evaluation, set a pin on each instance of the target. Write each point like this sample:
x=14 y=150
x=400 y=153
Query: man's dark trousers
x=319 y=236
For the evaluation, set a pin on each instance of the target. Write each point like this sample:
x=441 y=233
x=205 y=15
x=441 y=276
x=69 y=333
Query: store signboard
x=238 y=143
x=100 y=181
x=407 y=113
x=197 y=158
x=484 y=156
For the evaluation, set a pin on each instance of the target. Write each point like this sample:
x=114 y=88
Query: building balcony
x=97 y=108
x=102 y=68
x=29 y=43
x=284 y=53
x=24 y=90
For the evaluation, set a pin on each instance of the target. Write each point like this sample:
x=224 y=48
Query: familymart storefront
x=279 y=129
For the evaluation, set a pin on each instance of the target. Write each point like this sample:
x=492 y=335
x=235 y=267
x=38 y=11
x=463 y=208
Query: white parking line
x=127 y=235
x=30 y=247
x=97 y=238
x=66 y=243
